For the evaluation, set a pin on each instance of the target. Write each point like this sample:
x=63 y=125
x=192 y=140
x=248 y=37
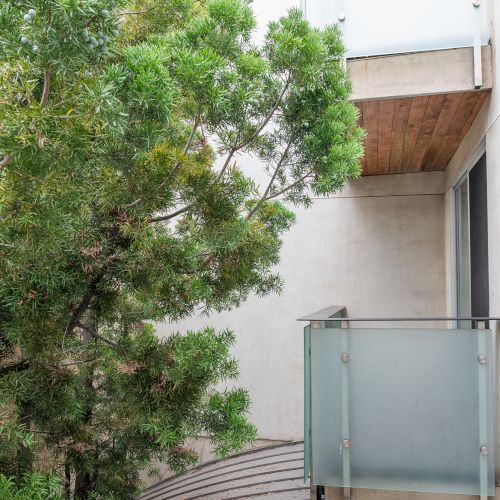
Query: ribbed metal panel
x=274 y=472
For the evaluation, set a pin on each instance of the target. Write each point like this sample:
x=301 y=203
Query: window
x=472 y=243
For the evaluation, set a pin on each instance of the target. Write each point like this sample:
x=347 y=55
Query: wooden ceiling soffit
x=416 y=108
x=416 y=134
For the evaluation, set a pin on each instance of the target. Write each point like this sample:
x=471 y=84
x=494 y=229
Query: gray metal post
x=483 y=410
x=346 y=435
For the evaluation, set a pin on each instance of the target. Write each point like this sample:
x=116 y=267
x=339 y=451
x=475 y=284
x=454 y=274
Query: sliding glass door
x=472 y=243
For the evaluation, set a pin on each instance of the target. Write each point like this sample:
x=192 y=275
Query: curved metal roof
x=274 y=472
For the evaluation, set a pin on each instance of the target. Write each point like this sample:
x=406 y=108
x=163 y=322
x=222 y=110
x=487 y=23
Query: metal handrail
x=339 y=313
x=447 y=318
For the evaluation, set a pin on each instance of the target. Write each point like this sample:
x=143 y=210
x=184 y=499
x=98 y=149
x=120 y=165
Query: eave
x=416 y=108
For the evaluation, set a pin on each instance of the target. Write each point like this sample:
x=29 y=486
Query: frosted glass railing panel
x=414 y=404
x=395 y=26
x=326 y=416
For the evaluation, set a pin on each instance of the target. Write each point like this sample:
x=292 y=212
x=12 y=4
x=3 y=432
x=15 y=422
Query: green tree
x=126 y=199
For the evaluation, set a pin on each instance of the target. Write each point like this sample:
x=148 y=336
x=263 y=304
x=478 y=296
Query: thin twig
x=187 y=146
x=196 y=124
x=284 y=190
x=6 y=160
x=271 y=182
x=226 y=163
x=84 y=303
x=83 y=361
x=135 y=202
x=170 y=216
x=268 y=117
x=139 y=13
x=94 y=334
x=46 y=87
x=247 y=141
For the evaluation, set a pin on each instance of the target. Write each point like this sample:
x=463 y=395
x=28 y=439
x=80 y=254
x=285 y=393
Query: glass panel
x=419 y=406
x=326 y=408
x=478 y=237
x=463 y=253
x=395 y=26
x=307 y=399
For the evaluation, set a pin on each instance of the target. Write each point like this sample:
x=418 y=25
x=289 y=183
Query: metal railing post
x=483 y=410
x=346 y=435
x=478 y=67
x=307 y=406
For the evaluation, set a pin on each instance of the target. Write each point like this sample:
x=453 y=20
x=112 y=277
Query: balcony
x=401 y=404
x=421 y=72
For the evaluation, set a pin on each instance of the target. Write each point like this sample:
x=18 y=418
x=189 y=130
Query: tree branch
x=94 y=334
x=226 y=163
x=232 y=151
x=6 y=160
x=46 y=87
x=247 y=141
x=84 y=303
x=20 y=366
x=170 y=216
x=196 y=124
x=271 y=182
x=81 y=362
x=268 y=117
x=292 y=185
x=187 y=146
x=139 y=13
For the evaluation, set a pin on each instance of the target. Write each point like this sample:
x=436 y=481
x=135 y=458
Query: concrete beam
x=419 y=73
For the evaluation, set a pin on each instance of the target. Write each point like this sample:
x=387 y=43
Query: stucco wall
x=377 y=248
x=269 y=10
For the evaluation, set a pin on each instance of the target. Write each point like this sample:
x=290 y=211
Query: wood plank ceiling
x=416 y=134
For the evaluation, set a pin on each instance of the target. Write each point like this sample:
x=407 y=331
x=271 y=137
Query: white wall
x=270 y=10
x=377 y=248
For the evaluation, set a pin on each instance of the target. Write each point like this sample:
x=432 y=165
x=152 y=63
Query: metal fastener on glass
x=345 y=357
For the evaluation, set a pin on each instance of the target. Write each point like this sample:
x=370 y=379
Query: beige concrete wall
x=377 y=248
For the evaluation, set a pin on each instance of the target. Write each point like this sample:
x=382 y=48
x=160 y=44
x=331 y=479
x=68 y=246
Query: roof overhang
x=416 y=108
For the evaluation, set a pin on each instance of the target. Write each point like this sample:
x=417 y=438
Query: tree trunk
x=84 y=483
x=25 y=458
x=67 y=480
